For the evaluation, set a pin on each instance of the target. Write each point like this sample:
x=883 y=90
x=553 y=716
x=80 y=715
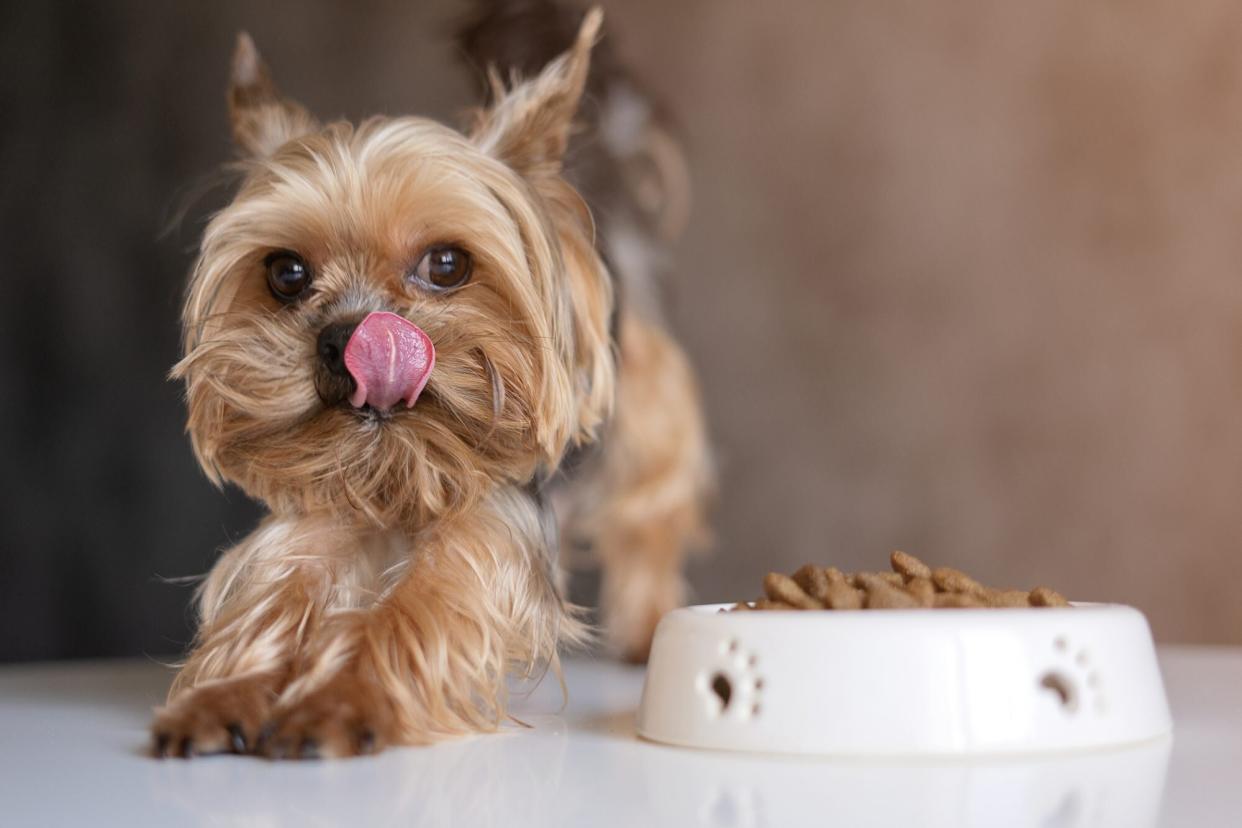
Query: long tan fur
x=405 y=570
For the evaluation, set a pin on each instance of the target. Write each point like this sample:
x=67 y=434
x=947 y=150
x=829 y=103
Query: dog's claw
x=366 y=741
x=186 y=749
x=237 y=738
x=161 y=745
x=309 y=749
x=277 y=749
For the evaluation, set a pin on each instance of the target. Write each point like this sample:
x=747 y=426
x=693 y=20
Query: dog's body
x=394 y=337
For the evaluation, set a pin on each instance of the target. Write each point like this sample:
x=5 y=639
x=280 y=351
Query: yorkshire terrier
x=405 y=341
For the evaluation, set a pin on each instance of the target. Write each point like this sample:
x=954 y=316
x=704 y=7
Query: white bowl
x=904 y=682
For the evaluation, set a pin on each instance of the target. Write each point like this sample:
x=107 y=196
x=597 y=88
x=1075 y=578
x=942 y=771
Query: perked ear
x=262 y=120
x=529 y=125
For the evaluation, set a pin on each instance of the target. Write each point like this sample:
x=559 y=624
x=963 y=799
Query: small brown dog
x=395 y=335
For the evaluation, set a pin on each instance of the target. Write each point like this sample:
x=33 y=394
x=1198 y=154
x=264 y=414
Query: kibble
x=785 y=589
x=910 y=585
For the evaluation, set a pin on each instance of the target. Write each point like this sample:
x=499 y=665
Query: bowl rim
x=1078 y=607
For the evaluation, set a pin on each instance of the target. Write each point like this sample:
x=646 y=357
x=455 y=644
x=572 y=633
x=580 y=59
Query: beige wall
x=963 y=279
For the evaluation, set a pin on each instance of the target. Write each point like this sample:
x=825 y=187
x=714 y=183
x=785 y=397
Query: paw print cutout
x=1073 y=680
x=734 y=688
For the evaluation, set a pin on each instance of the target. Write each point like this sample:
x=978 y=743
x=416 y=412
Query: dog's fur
x=408 y=565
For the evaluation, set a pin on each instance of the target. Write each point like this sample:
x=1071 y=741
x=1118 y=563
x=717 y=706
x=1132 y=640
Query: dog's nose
x=331 y=347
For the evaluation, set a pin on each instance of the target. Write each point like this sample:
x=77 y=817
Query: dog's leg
x=429 y=659
x=647 y=499
x=257 y=606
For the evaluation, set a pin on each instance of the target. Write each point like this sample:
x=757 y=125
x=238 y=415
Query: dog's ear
x=262 y=120
x=528 y=126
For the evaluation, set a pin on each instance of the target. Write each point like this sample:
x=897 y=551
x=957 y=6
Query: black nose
x=331 y=347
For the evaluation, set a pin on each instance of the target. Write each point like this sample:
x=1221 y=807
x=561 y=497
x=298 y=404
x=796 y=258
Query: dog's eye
x=287 y=275
x=443 y=268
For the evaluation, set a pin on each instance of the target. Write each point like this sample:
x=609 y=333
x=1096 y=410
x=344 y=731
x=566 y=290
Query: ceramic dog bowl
x=904 y=682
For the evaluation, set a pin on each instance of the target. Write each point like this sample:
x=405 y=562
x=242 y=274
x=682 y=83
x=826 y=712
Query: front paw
x=348 y=716
x=222 y=717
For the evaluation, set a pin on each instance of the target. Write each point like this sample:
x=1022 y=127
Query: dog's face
x=390 y=319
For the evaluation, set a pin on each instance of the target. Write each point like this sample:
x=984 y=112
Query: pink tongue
x=390 y=359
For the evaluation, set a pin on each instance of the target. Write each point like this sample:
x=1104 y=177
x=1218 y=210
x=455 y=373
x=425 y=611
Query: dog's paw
x=222 y=717
x=348 y=716
x=634 y=602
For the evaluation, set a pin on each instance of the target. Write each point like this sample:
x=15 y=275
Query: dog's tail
x=625 y=160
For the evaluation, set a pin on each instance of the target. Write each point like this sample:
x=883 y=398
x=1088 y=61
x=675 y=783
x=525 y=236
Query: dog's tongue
x=390 y=359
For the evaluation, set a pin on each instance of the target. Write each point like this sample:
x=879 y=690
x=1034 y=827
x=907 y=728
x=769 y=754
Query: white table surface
x=73 y=752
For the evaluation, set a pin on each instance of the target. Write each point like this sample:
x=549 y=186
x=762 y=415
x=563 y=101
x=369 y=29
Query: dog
x=405 y=341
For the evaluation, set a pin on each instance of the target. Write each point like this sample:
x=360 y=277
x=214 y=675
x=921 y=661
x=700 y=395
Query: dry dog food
x=912 y=584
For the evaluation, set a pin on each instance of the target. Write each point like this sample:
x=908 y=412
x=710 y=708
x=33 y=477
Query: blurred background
x=961 y=279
